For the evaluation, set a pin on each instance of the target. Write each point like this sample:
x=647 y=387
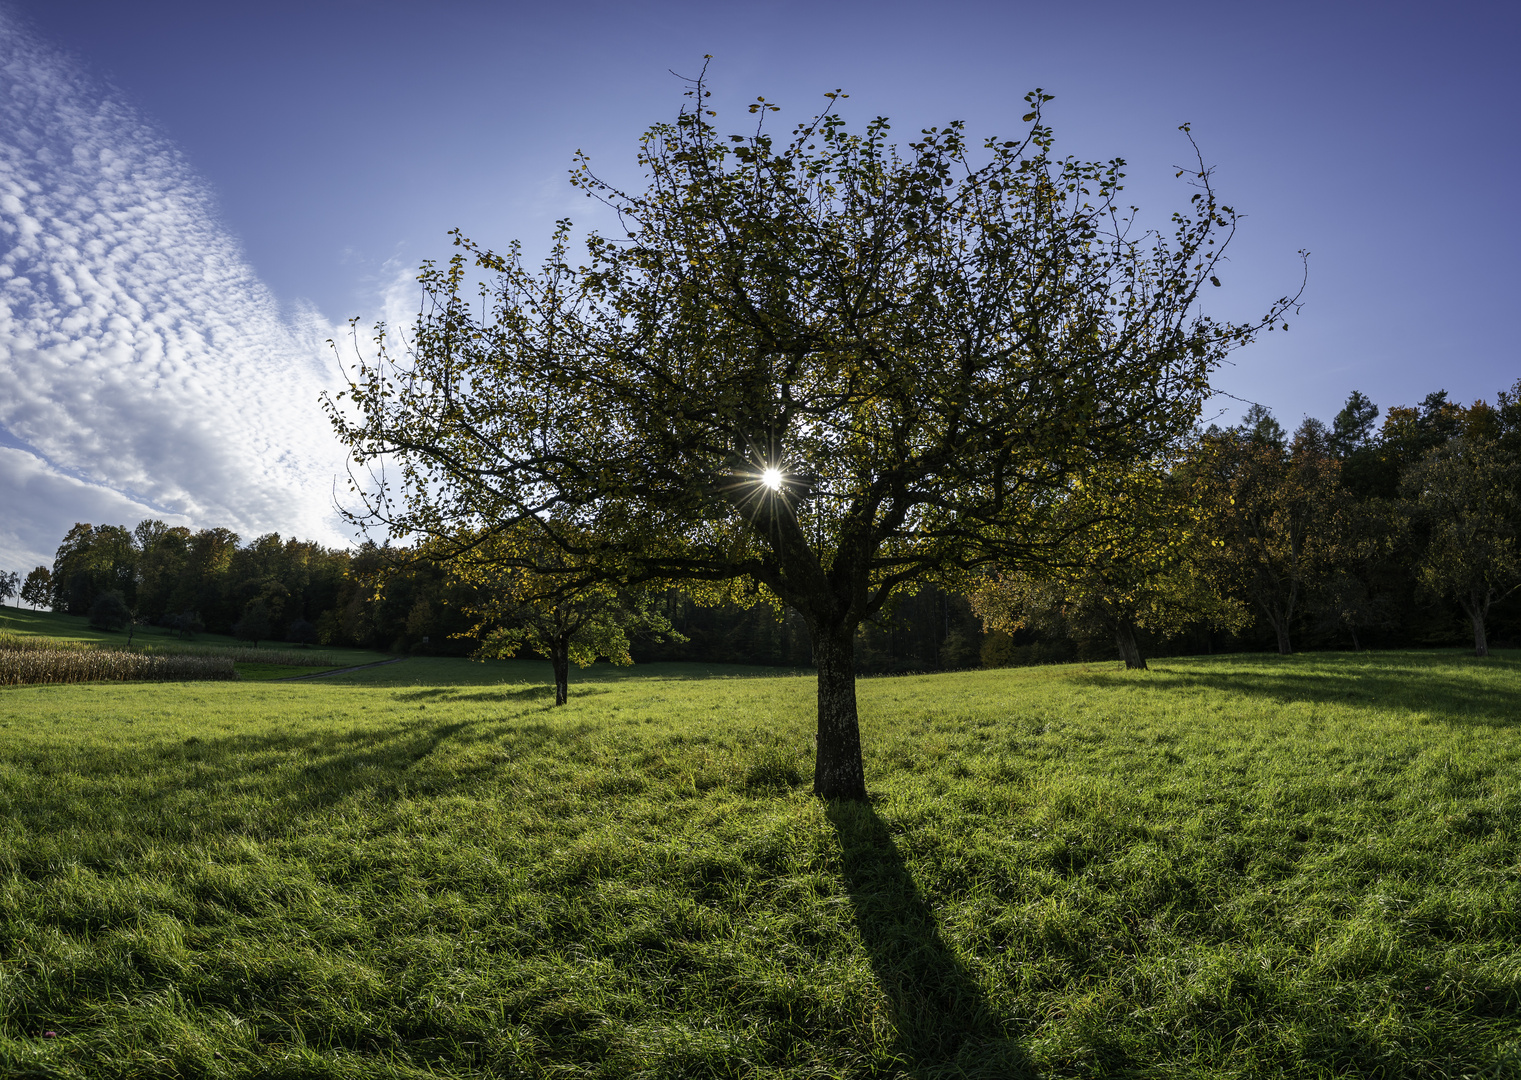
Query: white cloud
x=144 y=368
x=28 y=539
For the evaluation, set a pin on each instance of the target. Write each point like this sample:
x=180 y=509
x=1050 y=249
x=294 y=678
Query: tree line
x=398 y=600
x=1353 y=534
x=1348 y=534
x=270 y=588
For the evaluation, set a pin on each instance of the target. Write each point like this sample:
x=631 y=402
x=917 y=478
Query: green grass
x=1236 y=866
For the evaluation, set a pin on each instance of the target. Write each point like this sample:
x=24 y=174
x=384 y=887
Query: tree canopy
x=826 y=366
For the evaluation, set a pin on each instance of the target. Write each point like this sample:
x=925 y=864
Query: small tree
x=38 y=590
x=10 y=585
x=826 y=366
x=519 y=606
x=1466 y=494
x=254 y=626
x=109 y=611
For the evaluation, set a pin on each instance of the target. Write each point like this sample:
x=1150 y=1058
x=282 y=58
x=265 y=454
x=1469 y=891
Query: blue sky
x=315 y=153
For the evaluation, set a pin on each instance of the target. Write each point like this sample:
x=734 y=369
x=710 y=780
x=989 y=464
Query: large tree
x=823 y=364
x=93 y=559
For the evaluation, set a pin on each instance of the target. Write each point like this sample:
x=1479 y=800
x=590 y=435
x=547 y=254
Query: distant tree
x=1271 y=512
x=825 y=365
x=1122 y=549
x=1352 y=428
x=1261 y=426
x=10 y=585
x=91 y=560
x=161 y=562
x=301 y=632
x=1345 y=593
x=1465 y=494
x=109 y=611
x=520 y=606
x=38 y=590
x=254 y=625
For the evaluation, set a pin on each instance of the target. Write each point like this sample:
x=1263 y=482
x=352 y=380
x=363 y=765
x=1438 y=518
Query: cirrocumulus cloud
x=144 y=368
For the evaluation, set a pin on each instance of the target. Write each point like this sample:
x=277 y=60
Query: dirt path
x=339 y=671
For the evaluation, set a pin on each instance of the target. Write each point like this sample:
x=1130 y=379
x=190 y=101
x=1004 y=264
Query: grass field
x=1233 y=866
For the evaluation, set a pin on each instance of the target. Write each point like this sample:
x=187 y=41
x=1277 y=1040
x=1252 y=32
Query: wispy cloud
x=144 y=368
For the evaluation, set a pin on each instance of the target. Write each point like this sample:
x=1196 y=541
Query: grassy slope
x=1242 y=866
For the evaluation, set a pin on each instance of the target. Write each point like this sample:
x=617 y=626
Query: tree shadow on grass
x=944 y=1024
x=1436 y=686
x=272 y=781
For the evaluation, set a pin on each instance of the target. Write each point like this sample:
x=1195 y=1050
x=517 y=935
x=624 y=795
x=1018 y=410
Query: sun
x=772 y=478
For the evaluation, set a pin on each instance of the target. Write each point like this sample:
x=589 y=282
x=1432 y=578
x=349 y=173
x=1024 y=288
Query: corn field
x=16 y=643
x=33 y=665
x=24 y=643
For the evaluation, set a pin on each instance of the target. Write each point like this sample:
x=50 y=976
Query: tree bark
x=1476 y=613
x=560 y=658
x=838 y=771
x=1130 y=652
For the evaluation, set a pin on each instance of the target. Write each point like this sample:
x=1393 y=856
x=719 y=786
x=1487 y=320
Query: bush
x=110 y=611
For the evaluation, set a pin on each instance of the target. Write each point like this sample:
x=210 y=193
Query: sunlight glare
x=772 y=478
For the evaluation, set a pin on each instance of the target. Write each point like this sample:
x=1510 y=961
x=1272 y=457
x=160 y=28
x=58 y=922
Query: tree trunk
x=1355 y=646
x=560 y=658
x=1278 y=615
x=1130 y=652
x=838 y=772
x=1476 y=613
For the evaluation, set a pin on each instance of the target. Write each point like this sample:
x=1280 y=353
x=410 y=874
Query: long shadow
x=1435 y=687
x=944 y=1024
x=243 y=770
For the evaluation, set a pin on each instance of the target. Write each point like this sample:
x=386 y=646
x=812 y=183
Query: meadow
x=1236 y=866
